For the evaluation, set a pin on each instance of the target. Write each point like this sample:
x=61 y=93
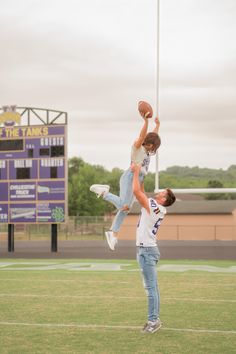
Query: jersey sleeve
x=154 y=207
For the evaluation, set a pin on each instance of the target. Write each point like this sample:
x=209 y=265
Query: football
x=145 y=109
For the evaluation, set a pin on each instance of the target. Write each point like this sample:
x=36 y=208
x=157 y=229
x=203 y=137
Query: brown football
x=145 y=109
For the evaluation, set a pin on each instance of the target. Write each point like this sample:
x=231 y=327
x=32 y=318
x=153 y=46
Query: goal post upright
x=157 y=103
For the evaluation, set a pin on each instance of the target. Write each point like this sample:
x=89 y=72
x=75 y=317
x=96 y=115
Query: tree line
x=81 y=175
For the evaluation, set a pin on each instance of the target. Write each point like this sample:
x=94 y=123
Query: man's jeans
x=147 y=258
x=126 y=197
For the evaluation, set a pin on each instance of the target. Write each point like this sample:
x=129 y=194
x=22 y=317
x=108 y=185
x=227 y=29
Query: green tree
x=214 y=196
x=149 y=182
x=74 y=165
x=81 y=175
x=113 y=180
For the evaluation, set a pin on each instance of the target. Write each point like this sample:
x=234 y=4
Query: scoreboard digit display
x=33 y=174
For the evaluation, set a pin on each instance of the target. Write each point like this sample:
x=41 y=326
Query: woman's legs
x=126 y=192
x=123 y=202
x=118 y=220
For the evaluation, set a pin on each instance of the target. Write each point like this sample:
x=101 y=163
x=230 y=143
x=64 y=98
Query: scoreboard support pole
x=54 y=237
x=10 y=237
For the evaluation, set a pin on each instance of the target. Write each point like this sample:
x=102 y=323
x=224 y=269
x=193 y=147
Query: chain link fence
x=94 y=227
x=76 y=228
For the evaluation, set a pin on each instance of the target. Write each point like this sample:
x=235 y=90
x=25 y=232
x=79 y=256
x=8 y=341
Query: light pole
x=157 y=89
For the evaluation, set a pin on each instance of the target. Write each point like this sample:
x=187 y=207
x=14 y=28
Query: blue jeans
x=147 y=258
x=126 y=197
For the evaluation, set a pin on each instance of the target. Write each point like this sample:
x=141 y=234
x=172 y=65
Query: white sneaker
x=111 y=240
x=152 y=326
x=100 y=189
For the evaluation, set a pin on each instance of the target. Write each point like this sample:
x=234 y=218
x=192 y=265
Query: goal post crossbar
x=200 y=190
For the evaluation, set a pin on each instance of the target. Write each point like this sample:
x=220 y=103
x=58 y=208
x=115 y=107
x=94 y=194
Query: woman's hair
x=170 y=198
x=154 y=139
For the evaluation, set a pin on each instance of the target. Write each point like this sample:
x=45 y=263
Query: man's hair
x=154 y=139
x=170 y=198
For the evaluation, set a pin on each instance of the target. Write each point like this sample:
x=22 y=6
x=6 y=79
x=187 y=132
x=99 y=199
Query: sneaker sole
x=97 y=194
x=154 y=331
x=108 y=241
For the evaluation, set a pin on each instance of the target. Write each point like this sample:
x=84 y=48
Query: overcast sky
x=95 y=59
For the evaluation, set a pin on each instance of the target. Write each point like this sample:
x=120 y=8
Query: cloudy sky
x=95 y=59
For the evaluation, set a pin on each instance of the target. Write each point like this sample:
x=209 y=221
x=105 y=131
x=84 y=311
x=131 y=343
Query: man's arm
x=142 y=187
x=138 y=189
x=157 y=127
x=142 y=134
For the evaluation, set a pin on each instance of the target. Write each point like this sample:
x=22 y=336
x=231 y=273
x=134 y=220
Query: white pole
x=185 y=190
x=157 y=88
x=202 y=190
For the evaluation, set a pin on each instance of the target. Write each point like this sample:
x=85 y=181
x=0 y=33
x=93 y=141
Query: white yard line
x=199 y=330
x=197 y=299
x=90 y=266
x=67 y=280
x=114 y=296
x=77 y=281
x=73 y=296
x=94 y=326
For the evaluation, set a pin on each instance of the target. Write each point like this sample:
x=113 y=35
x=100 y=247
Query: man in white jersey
x=152 y=213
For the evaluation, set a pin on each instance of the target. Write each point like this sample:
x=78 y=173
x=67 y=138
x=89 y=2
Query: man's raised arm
x=138 y=190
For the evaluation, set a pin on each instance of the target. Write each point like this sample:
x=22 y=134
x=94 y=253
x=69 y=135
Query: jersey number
x=156 y=226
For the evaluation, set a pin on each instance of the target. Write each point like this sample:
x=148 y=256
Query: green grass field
x=87 y=306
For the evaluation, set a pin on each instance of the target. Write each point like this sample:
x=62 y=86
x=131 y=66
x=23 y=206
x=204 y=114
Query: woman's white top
x=140 y=156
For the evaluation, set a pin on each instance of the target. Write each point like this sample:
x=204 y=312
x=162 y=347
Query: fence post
x=54 y=237
x=10 y=237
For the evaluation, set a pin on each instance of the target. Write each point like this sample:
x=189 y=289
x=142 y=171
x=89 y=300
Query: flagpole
x=157 y=89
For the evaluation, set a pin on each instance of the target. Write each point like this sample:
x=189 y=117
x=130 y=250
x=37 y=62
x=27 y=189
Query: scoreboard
x=33 y=174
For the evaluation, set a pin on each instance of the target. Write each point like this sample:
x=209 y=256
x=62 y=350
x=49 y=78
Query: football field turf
x=89 y=306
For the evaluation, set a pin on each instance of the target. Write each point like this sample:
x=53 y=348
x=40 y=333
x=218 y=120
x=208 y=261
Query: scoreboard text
x=33 y=174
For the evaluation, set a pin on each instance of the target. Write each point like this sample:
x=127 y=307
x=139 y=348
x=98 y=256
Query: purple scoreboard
x=33 y=173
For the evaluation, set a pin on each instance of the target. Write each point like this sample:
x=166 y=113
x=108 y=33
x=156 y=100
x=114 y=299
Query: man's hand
x=134 y=167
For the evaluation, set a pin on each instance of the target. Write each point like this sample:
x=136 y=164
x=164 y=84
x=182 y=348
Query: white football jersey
x=149 y=223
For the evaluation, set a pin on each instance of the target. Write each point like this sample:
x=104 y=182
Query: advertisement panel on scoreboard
x=33 y=174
